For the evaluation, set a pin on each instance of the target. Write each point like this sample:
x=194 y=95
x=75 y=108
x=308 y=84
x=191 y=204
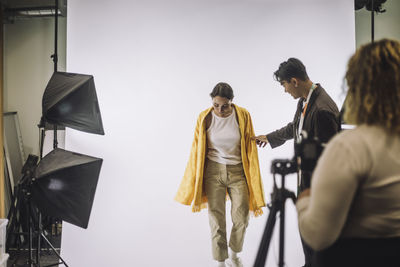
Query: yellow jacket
x=191 y=187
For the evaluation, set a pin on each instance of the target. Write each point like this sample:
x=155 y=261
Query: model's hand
x=261 y=140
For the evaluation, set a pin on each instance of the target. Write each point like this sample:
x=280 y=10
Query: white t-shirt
x=223 y=139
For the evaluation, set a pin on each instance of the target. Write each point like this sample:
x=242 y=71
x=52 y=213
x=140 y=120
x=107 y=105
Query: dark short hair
x=292 y=68
x=222 y=90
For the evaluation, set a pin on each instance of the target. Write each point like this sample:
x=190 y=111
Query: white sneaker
x=221 y=264
x=236 y=262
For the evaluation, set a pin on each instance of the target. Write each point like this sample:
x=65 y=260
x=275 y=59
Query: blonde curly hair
x=373 y=80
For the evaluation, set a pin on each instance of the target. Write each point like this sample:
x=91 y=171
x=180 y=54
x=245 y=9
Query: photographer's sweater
x=355 y=189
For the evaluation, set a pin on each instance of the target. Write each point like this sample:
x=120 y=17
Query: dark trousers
x=360 y=252
x=305 y=184
x=308 y=254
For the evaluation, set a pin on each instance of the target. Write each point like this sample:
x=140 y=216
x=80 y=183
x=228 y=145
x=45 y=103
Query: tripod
x=22 y=219
x=278 y=196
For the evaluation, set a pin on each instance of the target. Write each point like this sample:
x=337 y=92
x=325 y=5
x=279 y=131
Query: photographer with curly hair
x=351 y=214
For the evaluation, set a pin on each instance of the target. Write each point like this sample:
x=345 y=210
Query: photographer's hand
x=261 y=140
x=305 y=193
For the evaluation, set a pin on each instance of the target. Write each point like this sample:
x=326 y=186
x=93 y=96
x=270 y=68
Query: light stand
x=279 y=197
x=23 y=200
x=63 y=184
x=20 y=226
x=372 y=22
x=55 y=60
x=55 y=145
x=60 y=177
x=372 y=6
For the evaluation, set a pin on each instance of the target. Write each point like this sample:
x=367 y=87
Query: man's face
x=291 y=88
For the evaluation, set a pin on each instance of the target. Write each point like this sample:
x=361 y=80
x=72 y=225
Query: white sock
x=221 y=264
x=232 y=254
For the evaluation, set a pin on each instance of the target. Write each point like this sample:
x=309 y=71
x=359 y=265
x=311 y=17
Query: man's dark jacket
x=321 y=120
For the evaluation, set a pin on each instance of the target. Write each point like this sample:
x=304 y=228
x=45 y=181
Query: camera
x=306 y=154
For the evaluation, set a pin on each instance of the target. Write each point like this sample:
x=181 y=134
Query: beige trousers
x=219 y=179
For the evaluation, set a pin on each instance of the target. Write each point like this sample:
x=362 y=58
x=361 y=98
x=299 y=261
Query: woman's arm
x=339 y=171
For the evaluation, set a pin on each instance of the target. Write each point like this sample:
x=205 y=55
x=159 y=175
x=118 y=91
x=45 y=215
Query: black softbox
x=64 y=185
x=70 y=100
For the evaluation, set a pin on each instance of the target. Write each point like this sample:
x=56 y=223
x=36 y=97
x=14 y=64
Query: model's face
x=291 y=88
x=222 y=106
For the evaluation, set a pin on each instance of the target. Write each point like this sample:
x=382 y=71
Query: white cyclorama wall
x=28 y=45
x=154 y=65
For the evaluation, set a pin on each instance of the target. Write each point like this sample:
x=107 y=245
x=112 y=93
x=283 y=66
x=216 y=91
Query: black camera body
x=283 y=166
x=306 y=154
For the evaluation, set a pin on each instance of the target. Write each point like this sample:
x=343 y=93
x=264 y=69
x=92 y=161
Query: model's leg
x=239 y=194
x=215 y=189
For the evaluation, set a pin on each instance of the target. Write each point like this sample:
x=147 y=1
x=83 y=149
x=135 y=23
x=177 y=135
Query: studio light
x=70 y=100
x=64 y=184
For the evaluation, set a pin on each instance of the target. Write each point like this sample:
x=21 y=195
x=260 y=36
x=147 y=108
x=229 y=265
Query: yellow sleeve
x=254 y=166
x=186 y=189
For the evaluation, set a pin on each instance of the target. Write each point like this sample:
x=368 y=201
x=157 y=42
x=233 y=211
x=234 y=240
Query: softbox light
x=70 y=100
x=64 y=185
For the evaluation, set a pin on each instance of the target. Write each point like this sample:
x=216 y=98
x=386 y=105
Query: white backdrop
x=155 y=63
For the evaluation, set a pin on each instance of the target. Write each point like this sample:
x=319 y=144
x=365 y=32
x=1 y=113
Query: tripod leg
x=15 y=229
x=266 y=238
x=12 y=220
x=39 y=237
x=31 y=263
x=14 y=238
x=282 y=235
x=54 y=249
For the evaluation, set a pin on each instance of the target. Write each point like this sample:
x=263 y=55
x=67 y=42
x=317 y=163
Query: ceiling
x=27 y=9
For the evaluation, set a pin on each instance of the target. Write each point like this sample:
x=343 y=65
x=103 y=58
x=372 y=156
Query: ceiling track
x=11 y=14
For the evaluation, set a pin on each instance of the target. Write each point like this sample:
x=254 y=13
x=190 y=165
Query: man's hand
x=261 y=140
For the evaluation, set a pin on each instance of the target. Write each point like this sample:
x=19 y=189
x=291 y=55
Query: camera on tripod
x=306 y=153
